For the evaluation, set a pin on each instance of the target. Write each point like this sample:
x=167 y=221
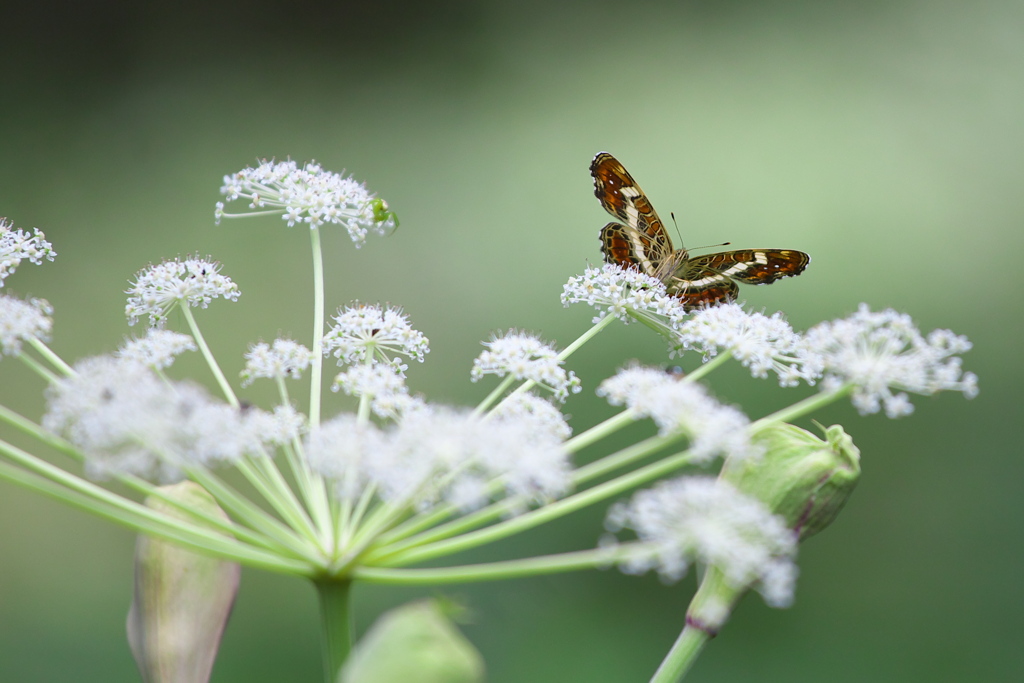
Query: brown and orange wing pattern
x=754 y=266
x=641 y=239
x=641 y=242
x=698 y=286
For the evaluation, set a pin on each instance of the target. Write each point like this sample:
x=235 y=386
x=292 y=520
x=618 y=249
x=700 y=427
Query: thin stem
x=493 y=396
x=491 y=571
x=586 y=336
x=38 y=368
x=536 y=517
x=47 y=353
x=804 y=407
x=204 y=348
x=706 y=368
x=398 y=539
x=316 y=374
x=682 y=655
x=56 y=483
x=335 y=624
x=600 y=431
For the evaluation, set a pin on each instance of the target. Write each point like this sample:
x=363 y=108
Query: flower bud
x=414 y=642
x=182 y=599
x=802 y=478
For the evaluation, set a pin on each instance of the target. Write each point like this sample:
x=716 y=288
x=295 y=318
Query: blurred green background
x=884 y=138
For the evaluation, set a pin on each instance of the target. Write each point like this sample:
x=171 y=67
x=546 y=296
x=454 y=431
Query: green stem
x=335 y=624
x=706 y=368
x=316 y=375
x=49 y=355
x=38 y=368
x=682 y=655
x=493 y=396
x=804 y=407
x=204 y=348
x=710 y=607
x=542 y=515
x=491 y=571
x=586 y=336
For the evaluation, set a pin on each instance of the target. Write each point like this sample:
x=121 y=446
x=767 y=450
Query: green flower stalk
x=368 y=494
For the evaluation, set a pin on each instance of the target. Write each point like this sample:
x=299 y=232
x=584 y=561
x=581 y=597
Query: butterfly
x=641 y=242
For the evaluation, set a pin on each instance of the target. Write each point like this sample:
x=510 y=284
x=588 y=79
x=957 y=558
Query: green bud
x=802 y=478
x=182 y=599
x=414 y=642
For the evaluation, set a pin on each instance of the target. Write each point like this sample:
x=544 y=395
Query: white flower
x=192 y=282
x=125 y=419
x=22 y=320
x=546 y=418
x=707 y=520
x=17 y=246
x=309 y=195
x=363 y=331
x=882 y=351
x=676 y=405
x=285 y=359
x=436 y=455
x=761 y=343
x=346 y=452
x=383 y=383
x=625 y=292
x=525 y=357
x=157 y=349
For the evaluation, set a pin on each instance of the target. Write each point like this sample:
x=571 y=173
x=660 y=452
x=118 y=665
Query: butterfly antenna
x=672 y=214
x=712 y=246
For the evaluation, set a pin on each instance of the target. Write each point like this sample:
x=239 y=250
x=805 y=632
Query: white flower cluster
x=525 y=357
x=701 y=519
x=309 y=195
x=125 y=419
x=285 y=359
x=624 y=292
x=192 y=282
x=157 y=349
x=761 y=343
x=362 y=332
x=543 y=415
x=383 y=384
x=882 y=351
x=679 y=406
x=22 y=320
x=16 y=246
x=437 y=455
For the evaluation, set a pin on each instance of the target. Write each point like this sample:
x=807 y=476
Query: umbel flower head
x=16 y=246
x=125 y=419
x=679 y=406
x=21 y=321
x=309 y=195
x=525 y=357
x=625 y=293
x=362 y=333
x=879 y=352
x=192 y=282
x=436 y=454
x=761 y=343
x=707 y=520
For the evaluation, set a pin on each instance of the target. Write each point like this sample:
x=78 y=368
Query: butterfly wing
x=640 y=240
x=696 y=285
x=754 y=266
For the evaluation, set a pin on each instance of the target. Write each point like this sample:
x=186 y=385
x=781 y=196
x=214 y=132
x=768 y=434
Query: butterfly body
x=640 y=241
